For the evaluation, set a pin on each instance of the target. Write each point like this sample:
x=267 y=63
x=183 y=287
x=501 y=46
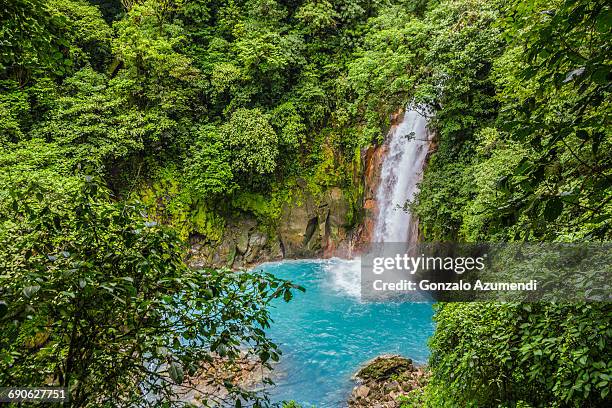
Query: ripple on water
x=328 y=332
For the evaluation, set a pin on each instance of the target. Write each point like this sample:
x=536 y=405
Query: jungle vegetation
x=127 y=125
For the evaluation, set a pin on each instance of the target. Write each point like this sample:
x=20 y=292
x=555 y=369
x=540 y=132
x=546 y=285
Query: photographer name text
x=405 y=285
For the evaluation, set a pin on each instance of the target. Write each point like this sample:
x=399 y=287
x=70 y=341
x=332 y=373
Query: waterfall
x=407 y=147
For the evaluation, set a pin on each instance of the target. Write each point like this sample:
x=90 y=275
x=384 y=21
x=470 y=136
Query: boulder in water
x=384 y=380
x=383 y=367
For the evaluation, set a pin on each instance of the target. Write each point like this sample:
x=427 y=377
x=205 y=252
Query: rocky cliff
x=329 y=223
x=309 y=226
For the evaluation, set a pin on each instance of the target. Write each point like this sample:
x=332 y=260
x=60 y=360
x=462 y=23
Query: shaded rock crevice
x=308 y=226
x=311 y=227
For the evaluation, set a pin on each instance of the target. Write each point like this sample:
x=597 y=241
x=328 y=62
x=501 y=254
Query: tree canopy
x=128 y=126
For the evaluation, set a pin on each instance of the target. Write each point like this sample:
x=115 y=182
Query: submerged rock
x=209 y=384
x=384 y=380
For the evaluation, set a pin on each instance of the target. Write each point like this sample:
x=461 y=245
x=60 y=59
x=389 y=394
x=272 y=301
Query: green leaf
x=29 y=291
x=553 y=209
x=601 y=76
x=176 y=372
x=604 y=21
x=522 y=167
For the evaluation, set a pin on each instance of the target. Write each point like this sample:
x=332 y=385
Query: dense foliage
x=192 y=107
x=526 y=137
x=536 y=163
x=217 y=99
x=202 y=107
x=98 y=299
x=530 y=355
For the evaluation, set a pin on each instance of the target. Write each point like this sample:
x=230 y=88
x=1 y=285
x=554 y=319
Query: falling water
x=401 y=172
x=328 y=332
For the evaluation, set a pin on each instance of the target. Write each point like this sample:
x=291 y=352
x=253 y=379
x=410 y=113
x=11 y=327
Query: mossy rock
x=383 y=367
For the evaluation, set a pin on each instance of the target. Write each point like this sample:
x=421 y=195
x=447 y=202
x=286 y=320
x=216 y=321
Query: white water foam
x=344 y=276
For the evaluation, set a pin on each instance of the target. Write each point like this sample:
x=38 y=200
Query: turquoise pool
x=327 y=333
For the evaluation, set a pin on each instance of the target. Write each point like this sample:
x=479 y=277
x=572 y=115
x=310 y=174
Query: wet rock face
x=308 y=227
x=298 y=228
x=243 y=243
x=373 y=158
x=383 y=381
x=315 y=228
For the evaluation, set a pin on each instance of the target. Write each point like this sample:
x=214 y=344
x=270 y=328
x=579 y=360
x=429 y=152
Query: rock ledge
x=383 y=380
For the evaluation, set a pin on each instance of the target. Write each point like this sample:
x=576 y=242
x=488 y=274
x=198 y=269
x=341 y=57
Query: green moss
x=328 y=173
x=166 y=200
x=355 y=191
x=383 y=368
x=169 y=200
x=266 y=207
x=207 y=222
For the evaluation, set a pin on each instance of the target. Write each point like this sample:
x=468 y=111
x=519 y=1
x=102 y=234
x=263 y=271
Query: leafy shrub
x=251 y=141
x=99 y=300
x=545 y=355
x=208 y=166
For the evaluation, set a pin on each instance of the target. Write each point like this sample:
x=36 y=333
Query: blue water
x=327 y=333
